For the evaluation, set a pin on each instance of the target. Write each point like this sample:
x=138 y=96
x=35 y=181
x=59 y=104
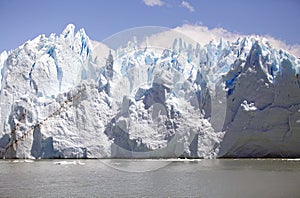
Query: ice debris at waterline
x=65 y=96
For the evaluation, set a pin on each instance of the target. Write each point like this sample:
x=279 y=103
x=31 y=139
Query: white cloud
x=153 y=2
x=204 y=35
x=193 y=33
x=186 y=5
x=293 y=49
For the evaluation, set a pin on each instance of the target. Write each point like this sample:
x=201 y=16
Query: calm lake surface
x=150 y=178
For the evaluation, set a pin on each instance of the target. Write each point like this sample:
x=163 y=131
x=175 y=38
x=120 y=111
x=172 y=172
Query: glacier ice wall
x=263 y=107
x=65 y=96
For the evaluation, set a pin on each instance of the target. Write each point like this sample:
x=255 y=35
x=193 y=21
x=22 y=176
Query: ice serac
x=43 y=99
x=65 y=96
x=3 y=58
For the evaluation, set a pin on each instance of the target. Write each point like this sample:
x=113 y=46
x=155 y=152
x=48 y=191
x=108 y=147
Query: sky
x=22 y=20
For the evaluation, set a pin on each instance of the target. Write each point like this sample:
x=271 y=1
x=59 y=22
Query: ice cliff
x=65 y=96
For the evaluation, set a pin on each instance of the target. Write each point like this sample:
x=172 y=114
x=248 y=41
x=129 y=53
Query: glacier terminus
x=159 y=96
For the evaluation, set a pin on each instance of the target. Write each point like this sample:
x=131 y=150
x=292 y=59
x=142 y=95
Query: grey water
x=150 y=178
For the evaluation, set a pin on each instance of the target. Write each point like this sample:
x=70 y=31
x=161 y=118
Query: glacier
x=67 y=96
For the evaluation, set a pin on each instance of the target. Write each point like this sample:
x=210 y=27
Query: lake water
x=150 y=178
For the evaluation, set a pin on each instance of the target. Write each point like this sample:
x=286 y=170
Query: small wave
x=295 y=159
x=23 y=161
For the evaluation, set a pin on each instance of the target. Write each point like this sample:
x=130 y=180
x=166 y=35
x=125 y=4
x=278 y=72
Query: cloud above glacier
x=188 y=6
x=160 y=3
x=153 y=2
x=162 y=36
x=292 y=48
x=204 y=35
